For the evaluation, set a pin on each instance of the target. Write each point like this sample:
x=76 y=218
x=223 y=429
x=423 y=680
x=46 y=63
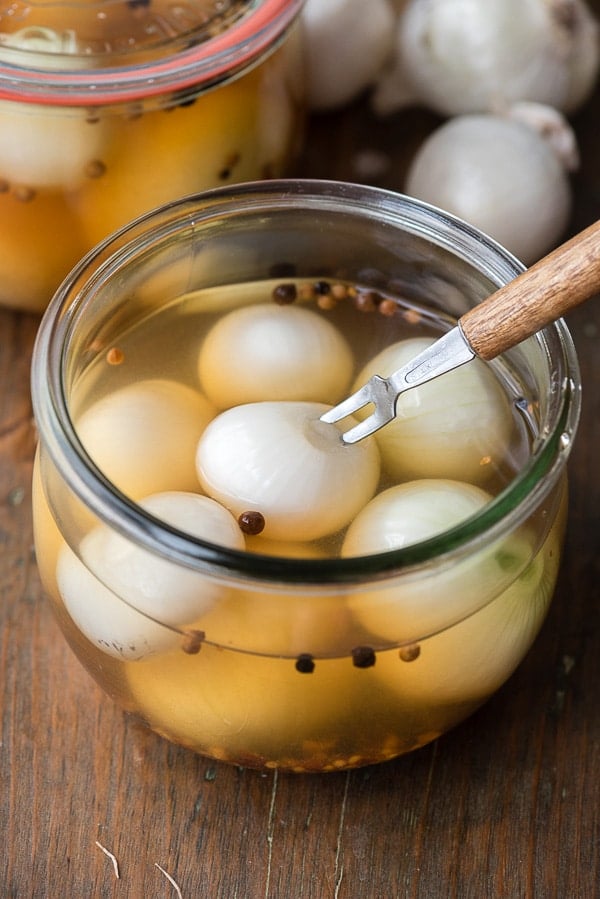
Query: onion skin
x=457 y=426
x=260 y=352
x=499 y=175
x=131 y=603
x=277 y=458
x=463 y=56
x=347 y=43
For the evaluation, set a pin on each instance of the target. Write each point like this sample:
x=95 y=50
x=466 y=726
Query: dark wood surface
x=506 y=806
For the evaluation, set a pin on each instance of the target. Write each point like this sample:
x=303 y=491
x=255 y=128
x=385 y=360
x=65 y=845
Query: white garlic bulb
x=128 y=601
x=499 y=175
x=143 y=437
x=347 y=42
x=461 y=56
x=273 y=352
x=456 y=426
x=277 y=458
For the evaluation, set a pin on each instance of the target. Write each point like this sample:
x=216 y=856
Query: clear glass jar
x=112 y=108
x=285 y=653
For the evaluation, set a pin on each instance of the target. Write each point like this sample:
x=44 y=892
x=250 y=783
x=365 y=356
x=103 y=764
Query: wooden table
x=504 y=807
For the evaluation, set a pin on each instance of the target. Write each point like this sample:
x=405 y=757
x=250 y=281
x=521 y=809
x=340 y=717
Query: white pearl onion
x=501 y=176
x=347 y=43
x=456 y=426
x=273 y=352
x=279 y=459
x=39 y=148
x=492 y=600
x=472 y=659
x=458 y=56
x=143 y=437
x=118 y=593
x=411 y=512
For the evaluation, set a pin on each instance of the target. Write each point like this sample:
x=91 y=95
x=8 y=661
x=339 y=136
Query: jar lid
x=95 y=53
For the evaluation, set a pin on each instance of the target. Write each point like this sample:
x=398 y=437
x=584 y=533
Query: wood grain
x=504 y=807
x=548 y=290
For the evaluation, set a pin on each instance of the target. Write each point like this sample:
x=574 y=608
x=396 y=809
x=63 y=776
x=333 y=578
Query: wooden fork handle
x=546 y=291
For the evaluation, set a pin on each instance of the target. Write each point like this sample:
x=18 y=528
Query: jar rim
x=515 y=502
x=201 y=65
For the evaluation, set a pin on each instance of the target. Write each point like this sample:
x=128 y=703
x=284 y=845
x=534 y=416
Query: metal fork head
x=377 y=392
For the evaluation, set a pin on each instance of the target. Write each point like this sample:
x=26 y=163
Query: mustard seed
x=387 y=307
x=410 y=652
x=192 y=642
x=115 y=356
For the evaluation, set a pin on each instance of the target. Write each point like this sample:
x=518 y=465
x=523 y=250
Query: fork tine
x=367 y=427
x=351 y=404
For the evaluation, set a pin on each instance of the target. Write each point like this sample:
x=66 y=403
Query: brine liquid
x=300 y=681
x=83 y=173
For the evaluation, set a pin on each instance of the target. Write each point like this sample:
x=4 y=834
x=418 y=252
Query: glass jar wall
x=299 y=644
x=110 y=109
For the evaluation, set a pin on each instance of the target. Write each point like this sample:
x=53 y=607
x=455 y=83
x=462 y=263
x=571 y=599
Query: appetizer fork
x=557 y=283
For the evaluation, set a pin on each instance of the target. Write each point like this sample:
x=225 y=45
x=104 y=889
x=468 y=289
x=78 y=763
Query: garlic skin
x=456 y=426
x=277 y=458
x=143 y=437
x=347 y=43
x=499 y=175
x=273 y=352
x=462 y=56
x=126 y=600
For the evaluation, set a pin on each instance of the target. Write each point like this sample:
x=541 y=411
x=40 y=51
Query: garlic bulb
x=273 y=352
x=456 y=426
x=126 y=600
x=460 y=56
x=143 y=436
x=499 y=175
x=277 y=458
x=347 y=42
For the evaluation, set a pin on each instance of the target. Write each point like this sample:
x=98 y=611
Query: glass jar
x=109 y=109
x=290 y=652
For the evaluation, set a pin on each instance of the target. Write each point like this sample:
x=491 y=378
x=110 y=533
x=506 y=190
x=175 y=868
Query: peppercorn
x=285 y=294
x=305 y=663
x=251 y=522
x=363 y=657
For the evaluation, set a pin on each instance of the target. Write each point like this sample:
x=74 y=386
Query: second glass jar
x=108 y=110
